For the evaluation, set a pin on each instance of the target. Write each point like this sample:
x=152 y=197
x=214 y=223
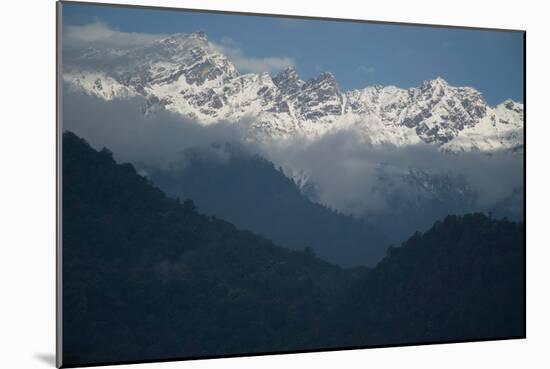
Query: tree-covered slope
x=147 y=277
x=250 y=192
x=461 y=280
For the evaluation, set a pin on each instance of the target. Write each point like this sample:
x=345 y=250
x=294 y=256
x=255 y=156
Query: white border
x=27 y=195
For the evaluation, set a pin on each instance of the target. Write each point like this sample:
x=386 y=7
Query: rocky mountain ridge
x=189 y=75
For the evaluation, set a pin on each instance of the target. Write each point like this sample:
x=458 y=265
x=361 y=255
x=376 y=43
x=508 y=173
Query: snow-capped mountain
x=189 y=75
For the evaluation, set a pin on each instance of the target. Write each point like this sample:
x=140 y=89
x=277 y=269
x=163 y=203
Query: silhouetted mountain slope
x=250 y=192
x=146 y=277
x=461 y=280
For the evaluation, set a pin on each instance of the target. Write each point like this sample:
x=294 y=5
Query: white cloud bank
x=100 y=35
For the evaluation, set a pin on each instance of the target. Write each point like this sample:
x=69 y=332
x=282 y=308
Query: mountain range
x=189 y=75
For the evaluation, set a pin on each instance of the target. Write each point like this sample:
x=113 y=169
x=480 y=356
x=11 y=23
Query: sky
x=359 y=54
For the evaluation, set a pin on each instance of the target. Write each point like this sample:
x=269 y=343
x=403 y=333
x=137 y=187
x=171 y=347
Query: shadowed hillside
x=147 y=277
x=461 y=280
x=251 y=193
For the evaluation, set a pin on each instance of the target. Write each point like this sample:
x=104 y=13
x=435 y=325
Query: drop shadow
x=46 y=358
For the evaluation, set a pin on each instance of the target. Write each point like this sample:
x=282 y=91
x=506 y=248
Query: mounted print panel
x=240 y=184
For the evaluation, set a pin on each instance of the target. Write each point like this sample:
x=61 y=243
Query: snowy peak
x=199 y=37
x=189 y=75
x=319 y=98
x=288 y=81
x=511 y=107
x=189 y=54
x=324 y=79
x=324 y=84
x=439 y=111
x=182 y=42
x=289 y=74
x=437 y=86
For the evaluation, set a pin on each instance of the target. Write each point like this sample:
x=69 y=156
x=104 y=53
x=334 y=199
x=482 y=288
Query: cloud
x=250 y=64
x=100 y=34
x=347 y=172
x=258 y=65
x=157 y=139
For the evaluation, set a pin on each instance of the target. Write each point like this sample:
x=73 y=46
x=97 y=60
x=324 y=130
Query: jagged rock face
x=435 y=111
x=288 y=82
x=319 y=98
x=187 y=74
x=443 y=111
x=191 y=56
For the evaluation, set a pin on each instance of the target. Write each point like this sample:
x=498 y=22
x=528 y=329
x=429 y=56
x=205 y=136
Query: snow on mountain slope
x=500 y=129
x=189 y=75
x=99 y=84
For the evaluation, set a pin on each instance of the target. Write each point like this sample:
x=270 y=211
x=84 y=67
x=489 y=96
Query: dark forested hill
x=251 y=193
x=147 y=277
x=461 y=280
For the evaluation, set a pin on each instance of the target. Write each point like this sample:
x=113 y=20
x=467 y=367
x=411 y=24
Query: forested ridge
x=250 y=192
x=148 y=277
